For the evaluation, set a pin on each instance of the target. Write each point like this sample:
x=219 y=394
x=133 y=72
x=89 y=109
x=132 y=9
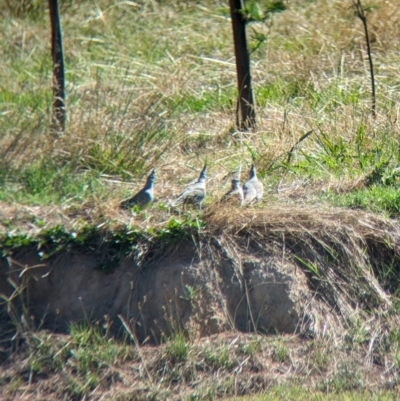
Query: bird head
x=203 y=174
x=253 y=172
x=151 y=178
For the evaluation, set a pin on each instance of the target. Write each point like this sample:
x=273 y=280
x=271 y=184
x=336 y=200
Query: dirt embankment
x=322 y=281
x=294 y=271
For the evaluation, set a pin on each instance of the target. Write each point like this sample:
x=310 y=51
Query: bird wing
x=234 y=192
x=195 y=191
x=249 y=192
x=259 y=189
x=142 y=198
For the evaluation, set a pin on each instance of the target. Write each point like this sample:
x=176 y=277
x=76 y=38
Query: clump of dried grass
x=343 y=252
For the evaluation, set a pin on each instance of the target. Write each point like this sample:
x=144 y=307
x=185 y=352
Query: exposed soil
x=199 y=286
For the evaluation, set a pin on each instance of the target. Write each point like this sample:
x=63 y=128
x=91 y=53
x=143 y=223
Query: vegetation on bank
x=230 y=367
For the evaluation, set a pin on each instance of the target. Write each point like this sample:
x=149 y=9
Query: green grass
x=83 y=360
x=44 y=183
x=280 y=352
x=219 y=358
x=284 y=393
x=177 y=347
x=213 y=99
x=377 y=199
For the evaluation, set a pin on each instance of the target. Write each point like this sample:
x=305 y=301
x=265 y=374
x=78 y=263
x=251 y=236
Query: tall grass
x=153 y=84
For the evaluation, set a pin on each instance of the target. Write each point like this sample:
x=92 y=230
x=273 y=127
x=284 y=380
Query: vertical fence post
x=363 y=17
x=59 y=113
x=245 y=114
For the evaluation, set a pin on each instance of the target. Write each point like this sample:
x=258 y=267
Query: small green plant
x=321 y=359
x=320 y=351
x=77 y=387
x=210 y=100
x=94 y=348
x=219 y=357
x=190 y=293
x=358 y=332
x=251 y=348
x=47 y=353
x=311 y=267
x=177 y=229
x=40 y=223
x=396 y=358
x=204 y=393
x=47 y=183
x=376 y=198
x=280 y=352
x=82 y=358
x=254 y=10
x=14 y=384
x=346 y=378
x=177 y=347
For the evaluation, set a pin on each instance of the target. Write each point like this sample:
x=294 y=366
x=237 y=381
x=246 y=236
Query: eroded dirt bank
x=296 y=271
x=197 y=286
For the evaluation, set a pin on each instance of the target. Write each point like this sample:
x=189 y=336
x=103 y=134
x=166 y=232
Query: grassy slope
x=153 y=84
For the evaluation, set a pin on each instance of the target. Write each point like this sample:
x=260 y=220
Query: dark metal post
x=245 y=115
x=363 y=17
x=59 y=113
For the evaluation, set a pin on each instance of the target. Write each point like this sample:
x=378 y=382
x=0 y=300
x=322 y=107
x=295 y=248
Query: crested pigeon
x=252 y=189
x=144 y=196
x=234 y=194
x=194 y=193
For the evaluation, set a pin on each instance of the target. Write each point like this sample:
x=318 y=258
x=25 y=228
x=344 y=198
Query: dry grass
x=222 y=366
x=339 y=249
x=131 y=100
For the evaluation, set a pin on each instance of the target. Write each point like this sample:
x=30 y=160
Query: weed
x=280 y=352
x=321 y=359
x=377 y=199
x=219 y=358
x=47 y=353
x=346 y=378
x=251 y=348
x=208 y=393
x=190 y=294
x=289 y=392
x=77 y=387
x=14 y=384
x=312 y=268
x=176 y=230
x=82 y=358
x=46 y=183
x=321 y=355
x=358 y=332
x=177 y=347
